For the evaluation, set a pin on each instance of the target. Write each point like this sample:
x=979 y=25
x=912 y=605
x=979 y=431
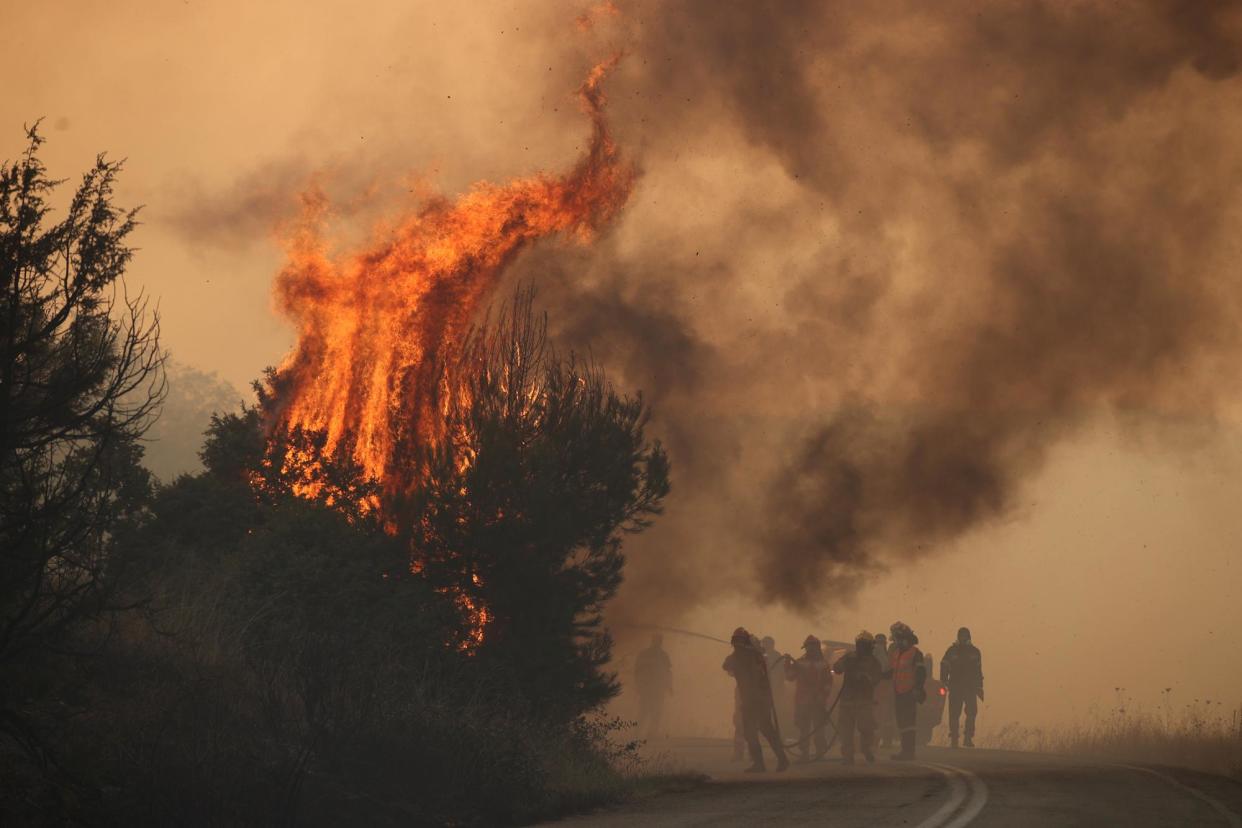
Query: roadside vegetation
x=224 y=650
x=1199 y=735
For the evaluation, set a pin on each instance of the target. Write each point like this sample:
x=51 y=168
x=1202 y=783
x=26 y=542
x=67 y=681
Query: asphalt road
x=943 y=789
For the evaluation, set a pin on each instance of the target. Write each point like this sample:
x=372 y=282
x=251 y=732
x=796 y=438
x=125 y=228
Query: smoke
x=880 y=261
x=885 y=257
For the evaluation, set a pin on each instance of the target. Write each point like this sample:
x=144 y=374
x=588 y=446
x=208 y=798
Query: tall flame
x=370 y=322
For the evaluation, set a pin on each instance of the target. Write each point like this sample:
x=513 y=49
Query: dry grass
x=1201 y=735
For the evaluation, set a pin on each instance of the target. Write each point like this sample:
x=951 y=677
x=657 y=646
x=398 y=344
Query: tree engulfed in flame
x=364 y=374
x=370 y=323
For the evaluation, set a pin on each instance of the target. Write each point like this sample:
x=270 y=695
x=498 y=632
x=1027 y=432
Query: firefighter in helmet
x=857 y=702
x=747 y=666
x=812 y=686
x=908 y=674
x=961 y=670
x=782 y=701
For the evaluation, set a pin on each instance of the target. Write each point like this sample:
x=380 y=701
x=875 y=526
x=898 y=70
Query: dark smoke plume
x=882 y=259
x=1011 y=218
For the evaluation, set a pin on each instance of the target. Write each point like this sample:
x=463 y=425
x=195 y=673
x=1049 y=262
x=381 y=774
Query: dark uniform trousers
x=960 y=697
x=756 y=720
x=812 y=719
x=860 y=716
x=906 y=711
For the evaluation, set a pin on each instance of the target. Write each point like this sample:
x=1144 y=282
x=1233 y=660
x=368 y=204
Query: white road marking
x=967 y=796
x=1229 y=816
x=978 y=798
x=957 y=795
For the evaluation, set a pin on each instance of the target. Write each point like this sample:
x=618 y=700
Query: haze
x=822 y=227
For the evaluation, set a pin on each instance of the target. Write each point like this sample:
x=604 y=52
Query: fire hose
x=776 y=723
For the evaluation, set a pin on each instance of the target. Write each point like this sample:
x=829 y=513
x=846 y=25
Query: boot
x=907 y=747
x=757 y=767
x=953 y=740
x=869 y=756
x=847 y=760
x=969 y=742
x=782 y=763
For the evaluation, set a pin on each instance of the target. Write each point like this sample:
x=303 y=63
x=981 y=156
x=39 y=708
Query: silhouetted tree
x=544 y=469
x=80 y=382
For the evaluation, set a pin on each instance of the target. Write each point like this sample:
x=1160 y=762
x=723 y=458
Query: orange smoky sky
x=937 y=305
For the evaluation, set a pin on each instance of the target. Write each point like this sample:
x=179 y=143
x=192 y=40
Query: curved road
x=944 y=789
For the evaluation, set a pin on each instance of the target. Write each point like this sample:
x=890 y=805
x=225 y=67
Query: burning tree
x=512 y=471
x=372 y=322
x=518 y=510
x=80 y=381
x=543 y=468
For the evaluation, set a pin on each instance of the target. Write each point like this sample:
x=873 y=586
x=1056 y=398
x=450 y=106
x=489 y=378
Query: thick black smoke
x=995 y=222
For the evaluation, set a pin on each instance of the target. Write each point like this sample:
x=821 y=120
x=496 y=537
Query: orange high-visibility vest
x=903 y=669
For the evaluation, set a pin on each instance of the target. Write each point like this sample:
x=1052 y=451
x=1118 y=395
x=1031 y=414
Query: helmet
x=964 y=632
x=864 y=636
x=740 y=636
x=811 y=641
x=902 y=630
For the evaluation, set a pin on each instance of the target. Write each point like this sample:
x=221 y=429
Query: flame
x=476 y=614
x=371 y=322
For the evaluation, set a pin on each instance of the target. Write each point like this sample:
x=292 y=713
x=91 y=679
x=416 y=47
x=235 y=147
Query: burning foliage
x=510 y=471
x=543 y=470
x=371 y=323
x=520 y=510
x=368 y=384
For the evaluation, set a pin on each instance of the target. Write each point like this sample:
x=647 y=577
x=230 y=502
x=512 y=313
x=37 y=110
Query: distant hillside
x=173 y=443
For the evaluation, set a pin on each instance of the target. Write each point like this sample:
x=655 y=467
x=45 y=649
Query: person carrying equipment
x=908 y=675
x=812 y=686
x=747 y=666
x=857 y=701
x=961 y=670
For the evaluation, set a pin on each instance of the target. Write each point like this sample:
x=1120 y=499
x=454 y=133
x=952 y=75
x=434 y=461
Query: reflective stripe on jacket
x=903 y=664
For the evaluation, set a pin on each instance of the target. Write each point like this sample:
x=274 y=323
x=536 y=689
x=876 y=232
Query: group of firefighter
x=882 y=685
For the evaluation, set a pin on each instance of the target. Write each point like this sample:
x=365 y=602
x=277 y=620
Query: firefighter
x=883 y=694
x=782 y=702
x=812 y=686
x=961 y=670
x=862 y=674
x=653 y=677
x=739 y=732
x=748 y=668
x=908 y=675
x=739 y=729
